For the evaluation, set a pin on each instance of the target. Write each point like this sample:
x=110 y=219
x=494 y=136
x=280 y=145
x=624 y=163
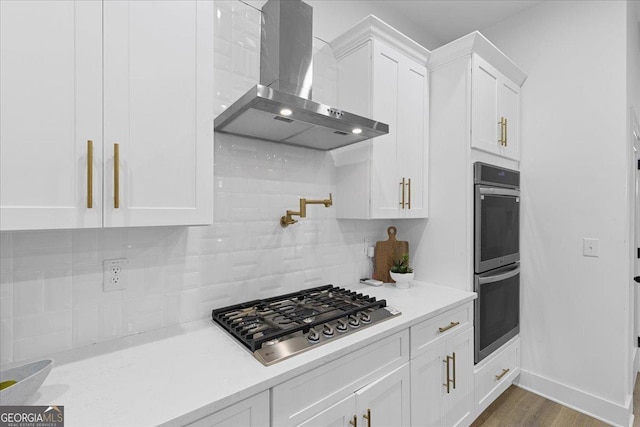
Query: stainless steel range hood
x=280 y=108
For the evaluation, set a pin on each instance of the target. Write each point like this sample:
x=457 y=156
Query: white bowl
x=401 y=279
x=28 y=379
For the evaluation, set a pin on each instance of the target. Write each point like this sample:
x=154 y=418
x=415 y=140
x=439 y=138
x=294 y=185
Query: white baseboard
x=594 y=406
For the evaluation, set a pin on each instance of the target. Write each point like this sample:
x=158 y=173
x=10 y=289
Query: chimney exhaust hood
x=280 y=108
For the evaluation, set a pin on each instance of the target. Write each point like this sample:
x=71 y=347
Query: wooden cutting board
x=387 y=252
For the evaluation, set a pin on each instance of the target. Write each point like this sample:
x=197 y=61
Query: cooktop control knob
x=364 y=317
x=353 y=321
x=327 y=330
x=342 y=325
x=313 y=336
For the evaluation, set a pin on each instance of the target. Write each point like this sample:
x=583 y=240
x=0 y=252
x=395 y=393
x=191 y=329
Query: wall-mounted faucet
x=302 y=213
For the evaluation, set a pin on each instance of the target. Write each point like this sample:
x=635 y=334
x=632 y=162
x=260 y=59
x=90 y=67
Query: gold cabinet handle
x=402 y=203
x=504 y=372
x=89 y=174
x=451 y=325
x=116 y=176
x=409 y=190
x=367 y=417
x=505 y=132
x=501 y=123
x=450 y=381
x=354 y=421
x=454 y=369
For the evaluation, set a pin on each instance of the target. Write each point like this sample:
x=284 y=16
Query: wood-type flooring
x=517 y=407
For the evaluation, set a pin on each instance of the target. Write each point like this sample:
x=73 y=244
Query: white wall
x=633 y=107
x=575 y=310
x=51 y=295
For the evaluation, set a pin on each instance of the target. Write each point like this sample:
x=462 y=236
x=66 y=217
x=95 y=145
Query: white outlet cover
x=114 y=274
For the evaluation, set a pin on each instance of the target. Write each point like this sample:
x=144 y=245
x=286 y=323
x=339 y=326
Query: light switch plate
x=590 y=247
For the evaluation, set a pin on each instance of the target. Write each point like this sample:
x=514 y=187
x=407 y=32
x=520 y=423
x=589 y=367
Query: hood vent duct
x=280 y=108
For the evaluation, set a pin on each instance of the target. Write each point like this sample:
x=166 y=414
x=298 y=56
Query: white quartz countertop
x=177 y=375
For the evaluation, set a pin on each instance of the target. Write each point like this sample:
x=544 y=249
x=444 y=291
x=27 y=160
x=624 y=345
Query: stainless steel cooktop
x=279 y=327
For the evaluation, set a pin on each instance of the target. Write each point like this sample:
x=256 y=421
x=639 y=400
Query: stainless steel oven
x=497 y=309
x=497 y=252
x=497 y=216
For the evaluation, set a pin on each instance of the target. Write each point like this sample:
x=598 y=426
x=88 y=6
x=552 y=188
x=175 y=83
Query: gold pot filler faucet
x=287 y=220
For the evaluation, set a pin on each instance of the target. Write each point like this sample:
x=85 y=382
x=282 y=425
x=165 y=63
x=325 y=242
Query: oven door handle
x=498 y=277
x=496 y=191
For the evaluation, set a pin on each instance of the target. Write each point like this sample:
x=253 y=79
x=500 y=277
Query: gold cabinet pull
x=501 y=123
x=451 y=325
x=367 y=417
x=504 y=372
x=505 y=132
x=409 y=190
x=449 y=380
x=89 y=174
x=402 y=184
x=354 y=421
x=454 y=369
x=116 y=176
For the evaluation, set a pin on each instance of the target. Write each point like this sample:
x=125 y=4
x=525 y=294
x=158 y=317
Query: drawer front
x=494 y=377
x=308 y=394
x=440 y=327
x=251 y=412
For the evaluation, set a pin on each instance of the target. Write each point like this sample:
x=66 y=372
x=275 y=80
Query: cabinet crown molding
x=373 y=27
x=475 y=42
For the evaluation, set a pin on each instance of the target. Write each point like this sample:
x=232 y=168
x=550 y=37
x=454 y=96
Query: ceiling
x=445 y=20
x=448 y=20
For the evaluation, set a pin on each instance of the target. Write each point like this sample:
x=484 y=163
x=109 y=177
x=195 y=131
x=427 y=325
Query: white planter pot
x=402 y=280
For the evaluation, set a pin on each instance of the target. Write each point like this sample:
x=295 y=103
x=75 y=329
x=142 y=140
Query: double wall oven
x=497 y=256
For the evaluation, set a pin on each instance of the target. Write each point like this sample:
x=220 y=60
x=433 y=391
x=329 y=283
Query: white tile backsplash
x=51 y=290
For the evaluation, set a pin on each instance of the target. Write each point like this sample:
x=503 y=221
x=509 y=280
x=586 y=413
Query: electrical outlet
x=115 y=274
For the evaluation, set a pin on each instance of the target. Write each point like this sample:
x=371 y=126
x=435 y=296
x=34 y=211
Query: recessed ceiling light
x=286 y=112
x=356 y=131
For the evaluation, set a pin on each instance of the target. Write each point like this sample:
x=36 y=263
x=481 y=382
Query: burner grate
x=257 y=322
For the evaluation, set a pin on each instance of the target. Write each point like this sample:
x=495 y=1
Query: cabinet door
x=427 y=390
x=251 y=412
x=432 y=402
x=50 y=106
x=387 y=401
x=385 y=176
x=509 y=104
x=412 y=137
x=485 y=129
x=458 y=404
x=158 y=107
x=339 y=415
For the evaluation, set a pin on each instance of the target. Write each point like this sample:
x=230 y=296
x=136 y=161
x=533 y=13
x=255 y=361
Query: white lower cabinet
x=385 y=402
x=442 y=384
x=251 y=412
x=370 y=384
x=495 y=374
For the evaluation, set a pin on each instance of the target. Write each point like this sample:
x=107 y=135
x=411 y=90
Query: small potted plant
x=401 y=272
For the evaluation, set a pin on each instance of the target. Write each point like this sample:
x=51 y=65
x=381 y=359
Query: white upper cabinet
x=158 y=107
x=495 y=110
x=50 y=107
x=382 y=74
x=156 y=74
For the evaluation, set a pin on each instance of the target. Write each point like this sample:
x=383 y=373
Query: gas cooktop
x=279 y=327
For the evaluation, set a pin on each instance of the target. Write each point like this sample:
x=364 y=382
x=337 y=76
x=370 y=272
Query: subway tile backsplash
x=51 y=295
